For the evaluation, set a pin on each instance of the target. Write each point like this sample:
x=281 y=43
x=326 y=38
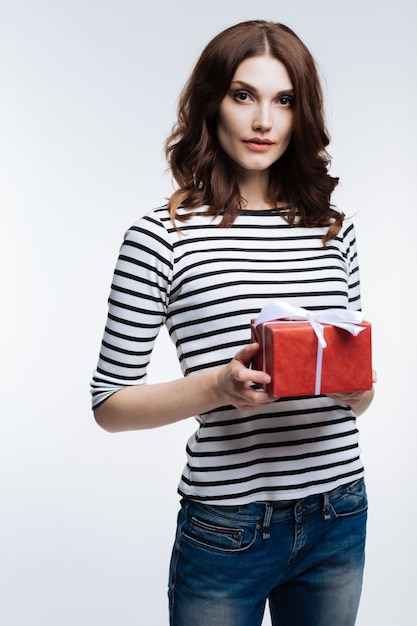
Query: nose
x=262 y=119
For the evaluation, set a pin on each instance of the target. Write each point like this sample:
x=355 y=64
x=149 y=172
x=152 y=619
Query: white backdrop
x=88 y=95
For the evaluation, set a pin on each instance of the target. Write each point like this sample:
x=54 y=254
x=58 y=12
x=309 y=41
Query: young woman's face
x=255 y=119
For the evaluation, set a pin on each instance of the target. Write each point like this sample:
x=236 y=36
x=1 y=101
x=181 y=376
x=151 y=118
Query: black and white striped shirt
x=205 y=284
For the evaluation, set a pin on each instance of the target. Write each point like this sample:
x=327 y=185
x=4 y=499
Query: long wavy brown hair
x=206 y=176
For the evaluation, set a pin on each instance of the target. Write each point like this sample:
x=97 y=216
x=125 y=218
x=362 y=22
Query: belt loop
x=326 y=506
x=267 y=520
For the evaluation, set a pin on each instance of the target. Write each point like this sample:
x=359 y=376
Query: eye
x=242 y=96
x=286 y=101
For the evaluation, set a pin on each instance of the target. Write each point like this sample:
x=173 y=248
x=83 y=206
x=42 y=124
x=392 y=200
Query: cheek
x=228 y=121
x=286 y=134
x=224 y=134
x=289 y=135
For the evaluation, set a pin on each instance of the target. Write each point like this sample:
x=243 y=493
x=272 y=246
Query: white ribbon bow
x=342 y=318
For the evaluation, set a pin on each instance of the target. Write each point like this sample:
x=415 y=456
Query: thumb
x=246 y=354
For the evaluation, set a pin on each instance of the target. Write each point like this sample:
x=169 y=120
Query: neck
x=254 y=191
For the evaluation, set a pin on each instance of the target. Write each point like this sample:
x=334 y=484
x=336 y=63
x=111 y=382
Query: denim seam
x=177 y=557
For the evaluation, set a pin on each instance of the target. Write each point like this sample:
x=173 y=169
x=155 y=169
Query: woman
x=273 y=499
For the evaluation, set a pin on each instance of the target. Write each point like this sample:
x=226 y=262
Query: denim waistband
x=313 y=499
x=268 y=510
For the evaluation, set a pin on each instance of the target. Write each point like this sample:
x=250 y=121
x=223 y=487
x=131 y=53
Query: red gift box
x=291 y=352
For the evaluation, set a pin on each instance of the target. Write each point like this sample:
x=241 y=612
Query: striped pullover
x=205 y=284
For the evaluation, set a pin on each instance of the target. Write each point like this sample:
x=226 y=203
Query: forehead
x=263 y=71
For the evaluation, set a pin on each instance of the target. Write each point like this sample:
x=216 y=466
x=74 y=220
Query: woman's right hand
x=237 y=382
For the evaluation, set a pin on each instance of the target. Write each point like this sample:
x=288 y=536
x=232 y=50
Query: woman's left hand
x=358 y=400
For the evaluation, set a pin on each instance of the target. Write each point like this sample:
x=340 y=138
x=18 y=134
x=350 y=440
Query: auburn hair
x=206 y=176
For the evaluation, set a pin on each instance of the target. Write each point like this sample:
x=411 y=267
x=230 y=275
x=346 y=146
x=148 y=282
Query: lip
x=258 y=144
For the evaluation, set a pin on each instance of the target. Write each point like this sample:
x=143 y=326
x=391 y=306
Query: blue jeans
x=306 y=557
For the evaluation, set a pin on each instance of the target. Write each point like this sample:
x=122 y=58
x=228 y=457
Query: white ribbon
x=341 y=318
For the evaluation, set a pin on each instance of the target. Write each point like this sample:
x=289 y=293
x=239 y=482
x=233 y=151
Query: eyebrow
x=241 y=83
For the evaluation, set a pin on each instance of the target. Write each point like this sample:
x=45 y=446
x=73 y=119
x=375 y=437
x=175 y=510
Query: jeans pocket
x=217 y=534
x=352 y=500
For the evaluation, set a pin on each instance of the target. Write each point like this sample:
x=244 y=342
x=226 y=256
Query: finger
x=250 y=378
x=246 y=354
x=253 y=398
